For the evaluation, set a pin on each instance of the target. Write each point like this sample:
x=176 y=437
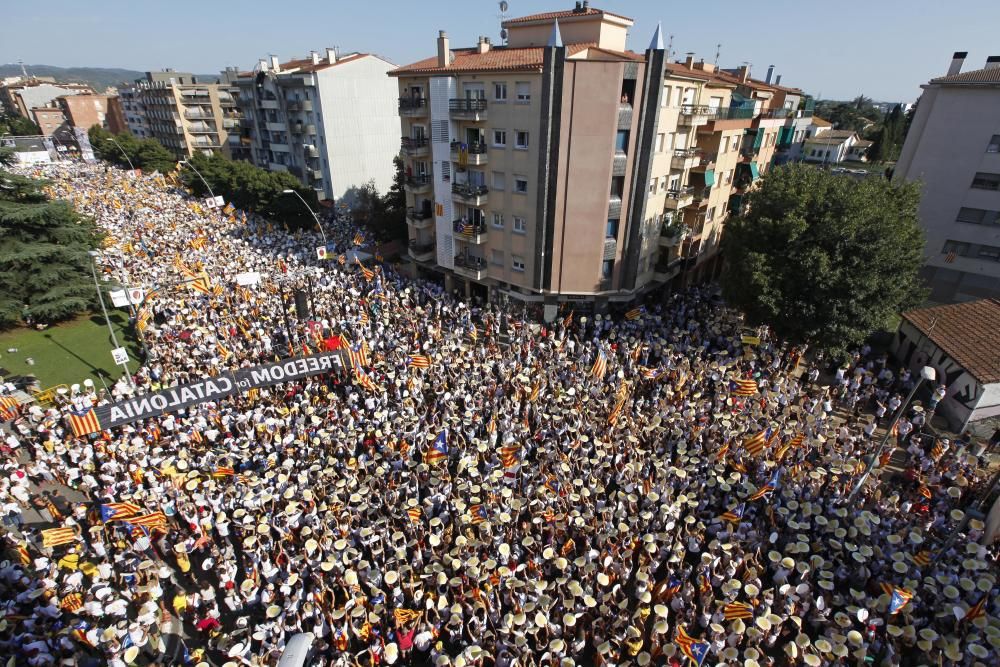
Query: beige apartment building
x=181 y=113
x=953 y=150
x=563 y=167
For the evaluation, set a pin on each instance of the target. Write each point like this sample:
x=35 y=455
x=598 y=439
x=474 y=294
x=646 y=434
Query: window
x=500 y=92
x=736 y=143
x=523 y=91
x=499 y=180
x=957 y=247
x=661 y=140
x=986 y=181
x=607 y=269
x=517 y=263
x=520 y=226
x=611 y=231
x=446 y=171
x=497 y=257
x=725 y=145
x=520 y=139
x=498 y=220
x=978 y=216
x=520 y=185
x=663 y=184
x=621 y=141
x=665 y=100
x=710 y=215
x=499 y=138
x=989 y=252
x=652 y=185
x=994 y=146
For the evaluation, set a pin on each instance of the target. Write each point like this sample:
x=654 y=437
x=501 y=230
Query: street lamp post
x=186 y=163
x=315 y=217
x=926 y=373
x=104 y=310
x=112 y=138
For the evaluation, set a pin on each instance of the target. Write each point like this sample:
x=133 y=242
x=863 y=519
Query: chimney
x=956 y=62
x=262 y=65
x=331 y=55
x=993 y=62
x=770 y=72
x=579 y=7
x=586 y=5
x=483 y=46
x=689 y=60
x=744 y=73
x=275 y=65
x=444 y=57
x=777 y=81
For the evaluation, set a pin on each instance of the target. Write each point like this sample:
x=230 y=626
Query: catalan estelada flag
x=761 y=492
x=53 y=537
x=977 y=610
x=755 y=445
x=925 y=491
x=359 y=238
x=735 y=610
x=477 y=514
x=83 y=421
x=508 y=455
x=152 y=520
x=600 y=367
x=439 y=450
x=418 y=361
x=899 y=599
x=694 y=649
x=71 y=602
x=734 y=515
x=745 y=387
x=112 y=511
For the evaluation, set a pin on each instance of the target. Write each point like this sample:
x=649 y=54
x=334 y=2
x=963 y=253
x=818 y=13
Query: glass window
x=986 y=181
x=607 y=269
x=973 y=215
x=500 y=91
x=523 y=91
x=621 y=141
x=498 y=257
x=520 y=185
x=520 y=139
x=711 y=214
x=520 y=226
x=665 y=100
x=652 y=186
x=498 y=219
x=661 y=140
x=611 y=231
x=517 y=262
x=994 y=146
x=499 y=180
x=989 y=252
x=499 y=138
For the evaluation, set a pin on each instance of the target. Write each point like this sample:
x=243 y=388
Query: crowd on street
x=479 y=489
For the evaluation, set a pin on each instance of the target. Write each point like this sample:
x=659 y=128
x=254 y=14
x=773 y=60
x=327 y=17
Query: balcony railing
x=415 y=215
x=614 y=207
x=411 y=145
x=466 y=228
x=467 y=104
x=413 y=105
x=680 y=193
x=418 y=181
x=470 y=265
x=299 y=105
x=695 y=110
x=618 y=164
x=474 y=148
x=624 y=116
x=469 y=191
x=421 y=251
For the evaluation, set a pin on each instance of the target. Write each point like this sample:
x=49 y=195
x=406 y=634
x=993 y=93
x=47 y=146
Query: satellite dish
x=503 y=5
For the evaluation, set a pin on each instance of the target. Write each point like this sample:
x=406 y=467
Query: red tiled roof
x=569 y=13
x=819 y=122
x=988 y=76
x=968 y=332
x=498 y=58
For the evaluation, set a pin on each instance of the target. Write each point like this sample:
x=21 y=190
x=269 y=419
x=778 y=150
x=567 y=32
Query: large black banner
x=215 y=388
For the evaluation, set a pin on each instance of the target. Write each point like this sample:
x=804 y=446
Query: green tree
x=18 y=125
x=45 y=274
x=145 y=154
x=889 y=138
x=825 y=259
x=393 y=222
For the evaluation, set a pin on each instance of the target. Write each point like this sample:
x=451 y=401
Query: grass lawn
x=70 y=352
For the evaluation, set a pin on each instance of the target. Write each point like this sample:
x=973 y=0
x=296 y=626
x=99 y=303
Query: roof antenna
x=502 y=16
x=718 y=50
x=24 y=72
x=670 y=48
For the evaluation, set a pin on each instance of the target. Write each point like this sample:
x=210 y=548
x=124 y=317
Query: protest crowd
x=475 y=489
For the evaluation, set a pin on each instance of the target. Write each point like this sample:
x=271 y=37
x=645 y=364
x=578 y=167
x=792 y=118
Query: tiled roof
x=569 y=13
x=968 y=332
x=819 y=122
x=498 y=58
x=302 y=65
x=987 y=76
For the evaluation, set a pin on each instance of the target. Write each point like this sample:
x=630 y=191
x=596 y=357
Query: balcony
x=614 y=207
x=421 y=252
x=685 y=158
x=624 y=116
x=196 y=114
x=469 y=232
x=419 y=219
x=201 y=129
x=671 y=234
x=705 y=161
x=269 y=104
x=310 y=150
x=694 y=114
x=415 y=147
x=618 y=166
x=280 y=148
x=664 y=271
x=299 y=105
x=315 y=174
x=473 y=109
x=470 y=195
x=473 y=154
x=419 y=183
x=701 y=196
x=194 y=93
x=413 y=106
x=470 y=266
x=680 y=198
x=230 y=123
x=276 y=127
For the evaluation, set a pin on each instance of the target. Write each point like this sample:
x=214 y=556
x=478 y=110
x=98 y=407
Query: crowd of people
x=480 y=489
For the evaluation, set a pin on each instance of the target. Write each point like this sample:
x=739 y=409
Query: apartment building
x=183 y=114
x=562 y=167
x=85 y=111
x=24 y=96
x=328 y=119
x=953 y=150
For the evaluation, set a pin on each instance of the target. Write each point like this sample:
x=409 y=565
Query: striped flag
x=535 y=390
x=142 y=319
x=415 y=513
x=342 y=260
x=704 y=582
x=977 y=610
x=734 y=515
x=364 y=317
x=938 y=450
x=797 y=441
x=439 y=450
x=673 y=587
x=694 y=649
x=616 y=412
x=357 y=355
x=491 y=427
x=71 y=602
x=745 y=387
x=221 y=472
x=509 y=455
x=922 y=559
x=925 y=491
x=359 y=238
x=112 y=511
x=478 y=514
x=23 y=555
x=568 y=320
x=635 y=313
x=755 y=445
x=651 y=373
x=600 y=367
x=418 y=361
x=53 y=537
x=404 y=616
x=900 y=598
x=473 y=333
x=761 y=492
x=222 y=350
x=721 y=454
x=152 y=520
x=83 y=421
x=365 y=381
x=253 y=394
x=735 y=610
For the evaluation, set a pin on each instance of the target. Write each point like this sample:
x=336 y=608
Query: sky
x=832 y=50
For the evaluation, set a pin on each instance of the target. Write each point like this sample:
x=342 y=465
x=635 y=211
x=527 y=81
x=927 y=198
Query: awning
x=709 y=178
x=754 y=171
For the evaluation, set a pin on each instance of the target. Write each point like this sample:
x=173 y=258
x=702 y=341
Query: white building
x=953 y=149
x=829 y=147
x=330 y=120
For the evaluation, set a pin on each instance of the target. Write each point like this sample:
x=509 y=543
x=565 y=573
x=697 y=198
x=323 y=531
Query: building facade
x=23 y=97
x=50 y=120
x=181 y=113
x=561 y=167
x=327 y=119
x=953 y=150
x=85 y=111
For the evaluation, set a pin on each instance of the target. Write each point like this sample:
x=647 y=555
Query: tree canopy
x=855 y=115
x=145 y=154
x=823 y=258
x=45 y=275
x=18 y=125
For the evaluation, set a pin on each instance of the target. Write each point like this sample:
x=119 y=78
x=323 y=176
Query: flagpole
x=100 y=296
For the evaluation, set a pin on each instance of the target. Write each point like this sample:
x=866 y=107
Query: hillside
x=99 y=78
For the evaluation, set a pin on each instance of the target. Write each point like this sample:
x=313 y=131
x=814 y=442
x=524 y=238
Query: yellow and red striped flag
x=83 y=421
x=755 y=445
x=735 y=610
x=71 y=602
x=54 y=537
x=745 y=388
x=221 y=472
x=415 y=513
x=152 y=520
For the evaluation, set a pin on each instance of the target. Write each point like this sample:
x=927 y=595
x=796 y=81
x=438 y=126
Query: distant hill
x=98 y=78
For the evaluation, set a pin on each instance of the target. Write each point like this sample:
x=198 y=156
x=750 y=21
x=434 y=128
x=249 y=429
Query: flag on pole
x=922 y=559
x=977 y=610
x=414 y=513
x=509 y=456
x=359 y=238
x=755 y=445
x=635 y=313
x=734 y=515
